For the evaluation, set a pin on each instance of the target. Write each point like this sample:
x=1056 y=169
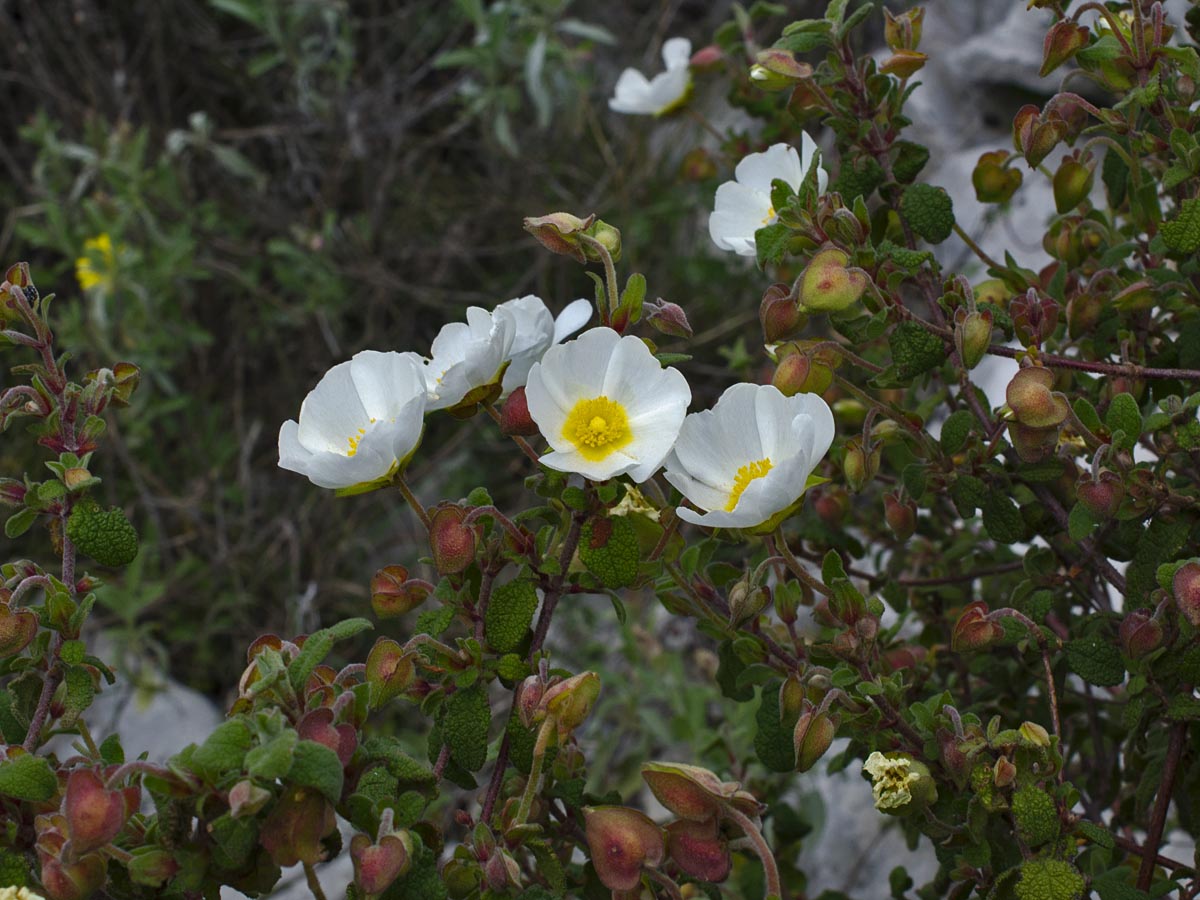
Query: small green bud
x=1031 y=400
x=827 y=285
x=1073 y=182
x=860 y=464
x=608 y=236
x=972 y=335
x=995 y=182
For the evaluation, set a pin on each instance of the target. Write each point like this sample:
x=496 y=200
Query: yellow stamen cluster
x=355 y=438
x=892 y=779
x=749 y=472
x=770 y=216
x=597 y=427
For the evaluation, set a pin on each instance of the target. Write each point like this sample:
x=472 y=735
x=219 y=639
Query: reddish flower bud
x=668 y=318
x=831 y=504
x=1034 y=317
x=317 y=725
x=18 y=628
x=529 y=701
x=1103 y=497
x=699 y=849
x=246 y=798
x=621 y=841
x=1035 y=134
x=827 y=285
x=1032 y=444
x=973 y=630
x=951 y=755
x=811 y=738
x=94 y=814
x=706 y=57
x=1063 y=39
x=514 y=415
x=1140 y=634
x=294 y=829
x=393 y=593
x=780 y=314
x=698 y=165
x=501 y=872
x=559 y=233
x=1031 y=400
x=12 y=492
x=73 y=881
x=801 y=373
x=390 y=671
x=901 y=516
x=453 y=543
x=694 y=793
x=1186 y=588
x=376 y=866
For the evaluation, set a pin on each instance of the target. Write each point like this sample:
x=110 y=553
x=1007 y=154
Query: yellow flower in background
x=97 y=268
x=18 y=893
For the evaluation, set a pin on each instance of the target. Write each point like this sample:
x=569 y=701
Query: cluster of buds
x=804 y=368
x=564 y=702
x=70 y=842
x=815 y=725
x=1037 y=410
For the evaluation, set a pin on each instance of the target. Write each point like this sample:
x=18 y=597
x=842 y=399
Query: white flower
x=606 y=406
x=536 y=331
x=16 y=893
x=468 y=355
x=744 y=205
x=637 y=95
x=749 y=457
x=359 y=424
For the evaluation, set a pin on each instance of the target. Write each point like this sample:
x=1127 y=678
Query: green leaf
x=915 y=350
x=27 y=777
x=729 y=668
x=771 y=242
x=1096 y=661
x=929 y=211
x=1080 y=523
x=465 y=727
x=19 y=523
x=1124 y=415
x=13 y=725
x=955 y=431
x=223 y=751
x=509 y=615
x=1049 y=879
x=409 y=773
x=1102 y=837
x=773 y=740
x=910 y=160
x=1162 y=541
x=1036 y=815
x=316 y=647
x=609 y=549
x=80 y=691
x=234 y=839
x=1002 y=519
x=1087 y=414
x=1182 y=234
x=316 y=766
x=858 y=178
x=274 y=758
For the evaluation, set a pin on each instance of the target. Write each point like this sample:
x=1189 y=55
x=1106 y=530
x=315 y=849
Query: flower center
x=597 y=428
x=355 y=438
x=746 y=474
x=770 y=216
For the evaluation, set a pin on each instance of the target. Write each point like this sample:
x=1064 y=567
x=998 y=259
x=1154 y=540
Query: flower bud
x=1004 y=773
x=952 y=756
x=831 y=504
x=377 y=866
x=706 y=57
x=126 y=377
x=317 y=725
x=152 y=867
x=1072 y=183
x=621 y=841
x=559 y=233
x=529 y=701
x=668 y=318
x=1102 y=498
x=1032 y=444
x=1062 y=41
x=1035 y=317
x=764 y=78
x=826 y=285
x=746 y=602
x=73 y=881
x=18 y=628
x=1140 y=634
x=12 y=492
x=293 y=830
x=501 y=872
x=811 y=738
x=453 y=543
x=389 y=671
x=691 y=792
x=95 y=815
x=1186 y=588
x=515 y=419
x=801 y=373
x=780 y=314
x=699 y=849
x=903 y=63
x=607 y=236
x=1035 y=134
x=1030 y=398
x=570 y=701
x=972 y=335
x=860 y=464
x=995 y=182
x=903 y=32
x=393 y=594
x=1034 y=734
x=973 y=630
x=698 y=165
x=1083 y=312
x=246 y=798
x=901 y=516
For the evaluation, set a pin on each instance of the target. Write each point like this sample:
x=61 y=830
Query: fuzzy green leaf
x=915 y=350
x=509 y=614
x=316 y=766
x=609 y=549
x=27 y=777
x=1096 y=661
x=929 y=211
x=465 y=727
x=1182 y=234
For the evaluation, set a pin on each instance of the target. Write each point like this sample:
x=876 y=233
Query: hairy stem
x=770 y=867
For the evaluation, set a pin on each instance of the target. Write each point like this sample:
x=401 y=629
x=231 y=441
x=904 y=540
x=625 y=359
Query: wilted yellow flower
x=95 y=269
x=896 y=778
x=634 y=501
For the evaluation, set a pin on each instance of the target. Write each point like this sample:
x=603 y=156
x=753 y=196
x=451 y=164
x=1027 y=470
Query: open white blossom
x=606 y=406
x=469 y=355
x=744 y=205
x=360 y=424
x=536 y=331
x=749 y=457
x=637 y=95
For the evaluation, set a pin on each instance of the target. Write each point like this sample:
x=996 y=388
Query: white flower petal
x=677 y=53
x=636 y=95
x=757 y=170
x=332 y=412
x=577 y=314
x=386 y=381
